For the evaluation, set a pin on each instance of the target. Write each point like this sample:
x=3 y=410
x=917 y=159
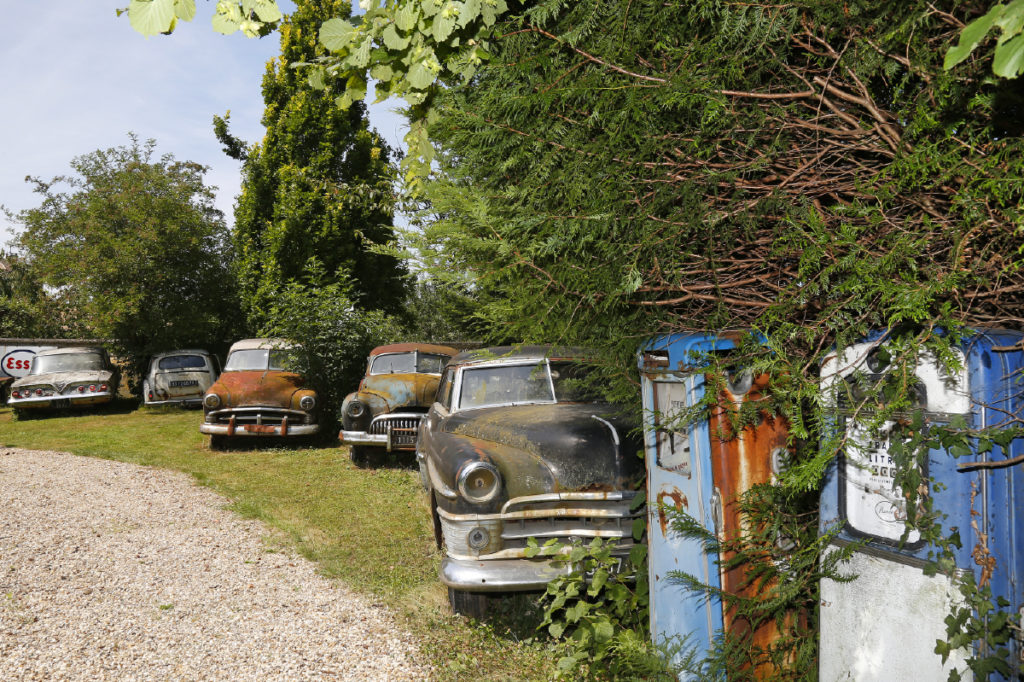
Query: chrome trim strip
x=437 y=484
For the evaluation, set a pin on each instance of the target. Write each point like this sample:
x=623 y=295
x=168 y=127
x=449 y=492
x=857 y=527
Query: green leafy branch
x=1008 y=58
x=252 y=17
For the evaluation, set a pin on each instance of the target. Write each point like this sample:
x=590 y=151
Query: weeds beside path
x=369 y=528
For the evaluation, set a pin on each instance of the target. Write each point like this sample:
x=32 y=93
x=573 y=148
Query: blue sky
x=77 y=78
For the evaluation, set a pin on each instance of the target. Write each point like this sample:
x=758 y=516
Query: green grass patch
x=369 y=528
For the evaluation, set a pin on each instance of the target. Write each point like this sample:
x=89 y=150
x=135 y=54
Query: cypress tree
x=318 y=186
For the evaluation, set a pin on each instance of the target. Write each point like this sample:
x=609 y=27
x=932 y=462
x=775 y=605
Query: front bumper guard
x=383 y=440
x=233 y=427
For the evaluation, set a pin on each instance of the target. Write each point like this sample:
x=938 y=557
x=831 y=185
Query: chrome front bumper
x=188 y=402
x=258 y=429
x=364 y=438
x=501 y=575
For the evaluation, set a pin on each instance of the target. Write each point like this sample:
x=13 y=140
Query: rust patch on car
x=270 y=388
x=679 y=502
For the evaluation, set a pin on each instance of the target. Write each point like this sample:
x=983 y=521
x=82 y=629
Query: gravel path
x=112 y=571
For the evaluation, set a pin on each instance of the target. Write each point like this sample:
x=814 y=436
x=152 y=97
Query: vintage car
x=516 y=446
x=179 y=377
x=258 y=394
x=66 y=377
x=384 y=413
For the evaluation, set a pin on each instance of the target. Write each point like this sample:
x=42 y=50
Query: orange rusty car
x=259 y=394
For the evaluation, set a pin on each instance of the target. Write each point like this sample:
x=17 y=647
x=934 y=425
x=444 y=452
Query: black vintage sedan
x=516 y=446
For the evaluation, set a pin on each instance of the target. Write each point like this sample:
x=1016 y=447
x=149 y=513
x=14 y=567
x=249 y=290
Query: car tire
x=218 y=442
x=470 y=604
x=362 y=456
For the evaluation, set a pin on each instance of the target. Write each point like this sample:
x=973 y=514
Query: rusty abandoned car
x=258 y=394
x=384 y=413
x=179 y=377
x=516 y=446
x=66 y=377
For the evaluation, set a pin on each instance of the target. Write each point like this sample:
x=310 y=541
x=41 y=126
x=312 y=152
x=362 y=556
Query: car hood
x=576 y=442
x=60 y=380
x=402 y=390
x=266 y=388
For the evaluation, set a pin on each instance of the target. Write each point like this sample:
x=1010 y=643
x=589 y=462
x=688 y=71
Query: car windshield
x=429 y=363
x=574 y=383
x=504 y=385
x=66 y=362
x=182 y=362
x=394 y=363
x=408 y=363
x=259 y=359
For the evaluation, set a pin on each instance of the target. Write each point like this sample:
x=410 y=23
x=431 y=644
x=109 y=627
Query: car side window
x=444 y=390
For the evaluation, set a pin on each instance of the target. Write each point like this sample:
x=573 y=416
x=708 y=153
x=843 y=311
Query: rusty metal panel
x=703 y=468
x=739 y=461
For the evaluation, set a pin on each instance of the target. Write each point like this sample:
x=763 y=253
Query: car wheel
x=23 y=415
x=363 y=456
x=218 y=443
x=470 y=604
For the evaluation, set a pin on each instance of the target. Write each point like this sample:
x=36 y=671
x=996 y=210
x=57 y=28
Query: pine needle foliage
x=804 y=169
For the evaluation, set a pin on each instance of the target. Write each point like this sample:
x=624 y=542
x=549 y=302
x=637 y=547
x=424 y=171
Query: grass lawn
x=367 y=527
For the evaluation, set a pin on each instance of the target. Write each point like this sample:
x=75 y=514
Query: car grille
x=403 y=428
x=269 y=416
x=562 y=516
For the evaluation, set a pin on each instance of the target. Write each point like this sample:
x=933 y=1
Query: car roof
x=183 y=351
x=260 y=344
x=409 y=347
x=72 y=349
x=503 y=354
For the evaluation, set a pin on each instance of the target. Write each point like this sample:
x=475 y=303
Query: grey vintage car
x=179 y=377
x=66 y=377
x=516 y=446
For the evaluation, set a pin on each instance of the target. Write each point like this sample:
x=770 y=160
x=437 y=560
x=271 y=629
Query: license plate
x=179 y=384
x=258 y=428
x=60 y=402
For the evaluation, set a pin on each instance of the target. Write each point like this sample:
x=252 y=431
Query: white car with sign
x=180 y=377
x=66 y=377
x=15 y=362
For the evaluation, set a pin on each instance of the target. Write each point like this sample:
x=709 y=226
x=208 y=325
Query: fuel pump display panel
x=874 y=505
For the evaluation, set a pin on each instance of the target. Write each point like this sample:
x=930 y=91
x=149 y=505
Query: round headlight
x=356 y=409
x=211 y=401
x=307 y=402
x=479 y=482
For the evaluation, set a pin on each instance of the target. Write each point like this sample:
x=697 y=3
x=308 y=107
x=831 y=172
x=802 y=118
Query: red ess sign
x=16 y=363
